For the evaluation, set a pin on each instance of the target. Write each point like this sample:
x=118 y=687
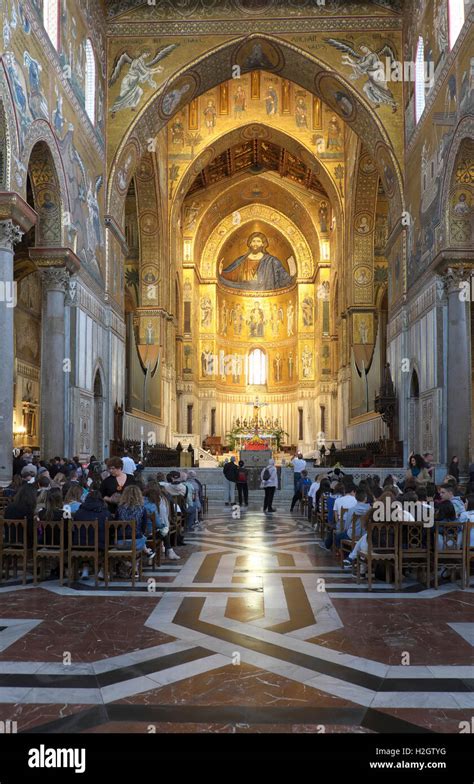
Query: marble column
x=458 y=367
x=55 y=362
x=10 y=233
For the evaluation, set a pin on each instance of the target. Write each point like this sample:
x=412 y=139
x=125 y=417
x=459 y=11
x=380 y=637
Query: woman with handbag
x=269 y=482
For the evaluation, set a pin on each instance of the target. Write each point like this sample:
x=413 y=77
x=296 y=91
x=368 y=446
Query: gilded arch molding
x=255 y=130
x=289 y=205
x=459 y=178
x=290 y=62
x=43 y=160
x=213 y=246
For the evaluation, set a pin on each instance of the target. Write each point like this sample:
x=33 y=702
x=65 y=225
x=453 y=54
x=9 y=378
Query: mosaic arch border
x=14 y=177
x=464 y=131
x=249 y=131
x=200 y=76
x=40 y=131
x=225 y=227
x=207 y=223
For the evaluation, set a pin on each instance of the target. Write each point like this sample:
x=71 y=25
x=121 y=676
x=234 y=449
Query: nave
x=256 y=630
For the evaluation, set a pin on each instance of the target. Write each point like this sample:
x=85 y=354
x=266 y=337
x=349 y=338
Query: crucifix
x=256 y=411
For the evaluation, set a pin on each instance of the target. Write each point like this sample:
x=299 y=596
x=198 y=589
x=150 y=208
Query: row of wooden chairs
x=49 y=546
x=410 y=545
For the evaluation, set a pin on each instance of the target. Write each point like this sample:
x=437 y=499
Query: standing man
x=230 y=478
x=242 y=484
x=299 y=465
x=129 y=466
x=269 y=482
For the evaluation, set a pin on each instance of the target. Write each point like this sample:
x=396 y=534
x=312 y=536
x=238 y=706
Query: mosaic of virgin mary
x=256 y=270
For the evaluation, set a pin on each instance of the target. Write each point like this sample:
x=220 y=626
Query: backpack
x=266 y=475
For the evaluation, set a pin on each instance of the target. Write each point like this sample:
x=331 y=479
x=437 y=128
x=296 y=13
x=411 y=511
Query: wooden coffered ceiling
x=255 y=156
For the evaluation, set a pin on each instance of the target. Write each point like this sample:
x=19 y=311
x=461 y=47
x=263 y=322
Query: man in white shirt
x=312 y=495
x=346 y=502
x=129 y=466
x=299 y=465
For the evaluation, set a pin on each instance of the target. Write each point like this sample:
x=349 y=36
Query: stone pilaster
x=458 y=365
x=16 y=217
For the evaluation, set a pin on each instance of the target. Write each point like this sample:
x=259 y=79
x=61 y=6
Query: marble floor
x=255 y=629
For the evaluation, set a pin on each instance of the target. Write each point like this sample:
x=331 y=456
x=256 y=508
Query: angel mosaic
x=370 y=65
x=139 y=72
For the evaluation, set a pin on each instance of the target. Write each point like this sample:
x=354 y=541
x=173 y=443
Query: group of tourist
x=415 y=499
x=70 y=490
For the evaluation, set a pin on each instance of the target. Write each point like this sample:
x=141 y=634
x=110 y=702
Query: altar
x=255 y=458
x=256 y=434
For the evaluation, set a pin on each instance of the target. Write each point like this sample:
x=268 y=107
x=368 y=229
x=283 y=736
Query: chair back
x=414 y=538
x=356 y=522
x=4 y=501
x=48 y=535
x=84 y=535
x=450 y=538
x=383 y=536
x=340 y=521
x=13 y=534
x=119 y=531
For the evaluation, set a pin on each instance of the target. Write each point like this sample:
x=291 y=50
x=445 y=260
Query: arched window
x=419 y=79
x=90 y=81
x=51 y=20
x=456 y=20
x=257 y=367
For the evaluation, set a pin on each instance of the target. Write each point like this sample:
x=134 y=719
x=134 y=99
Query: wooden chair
x=154 y=540
x=304 y=505
x=48 y=545
x=176 y=523
x=322 y=517
x=415 y=548
x=115 y=533
x=83 y=545
x=469 y=551
x=13 y=547
x=205 y=500
x=382 y=545
x=450 y=552
x=338 y=525
x=347 y=545
x=4 y=501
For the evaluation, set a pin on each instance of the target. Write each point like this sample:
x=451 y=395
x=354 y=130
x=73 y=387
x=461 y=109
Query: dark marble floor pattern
x=255 y=629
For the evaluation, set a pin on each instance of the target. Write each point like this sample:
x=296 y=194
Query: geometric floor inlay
x=255 y=629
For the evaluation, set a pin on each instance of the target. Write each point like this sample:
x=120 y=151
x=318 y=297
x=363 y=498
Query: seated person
x=94 y=508
x=157 y=504
x=73 y=497
x=449 y=492
x=132 y=507
x=21 y=506
x=344 y=500
x=354 y=513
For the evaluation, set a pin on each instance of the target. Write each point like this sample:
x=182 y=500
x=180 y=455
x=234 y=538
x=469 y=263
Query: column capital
x=10 y=234
x=15 y=209
x=55 y=278
x=55 y=258
x=454 y=277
